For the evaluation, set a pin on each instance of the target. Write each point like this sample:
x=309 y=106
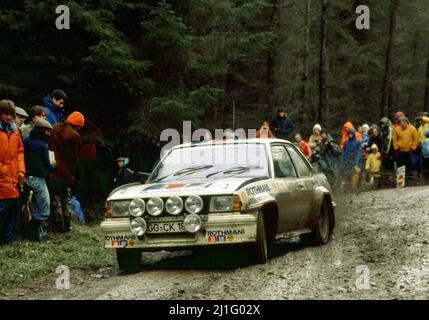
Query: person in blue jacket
x=351 y=160
x=54 y=106
x=282 y=126
x=38 y=167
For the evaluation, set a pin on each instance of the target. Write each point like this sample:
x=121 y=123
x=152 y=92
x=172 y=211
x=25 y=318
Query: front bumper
x=219 y=229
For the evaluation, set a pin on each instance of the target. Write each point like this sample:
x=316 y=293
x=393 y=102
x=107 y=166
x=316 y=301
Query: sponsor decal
x=258 y=189
x=115 y=243
x=131 y=243
x=121 y=237
x=217 y=236
x=175 y=186
x=244 y=196
x=230 y=237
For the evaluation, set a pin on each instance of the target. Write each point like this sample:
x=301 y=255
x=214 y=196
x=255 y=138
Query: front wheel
x=129 y=260
x=261 y=246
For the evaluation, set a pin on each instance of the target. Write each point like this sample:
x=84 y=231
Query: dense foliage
x=135 y=67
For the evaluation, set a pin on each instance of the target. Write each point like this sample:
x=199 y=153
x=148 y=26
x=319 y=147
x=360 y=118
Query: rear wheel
x=322 y=231
x=129 y=260
x=261 y=246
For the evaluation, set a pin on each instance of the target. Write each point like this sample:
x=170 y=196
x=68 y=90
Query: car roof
x=231 y=141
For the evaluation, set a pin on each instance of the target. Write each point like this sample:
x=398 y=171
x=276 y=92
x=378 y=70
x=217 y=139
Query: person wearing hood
x=351 y=159
x=315 y=140
x=373 y=165
x=365 y=135
x=425 y=152
x=38 y=167
x=12 y=167
x=345 y=135
x=64 y=142
x=398 y=116
x=423 y=125
x=54 y=106
x=281 y=125
x=405 y=142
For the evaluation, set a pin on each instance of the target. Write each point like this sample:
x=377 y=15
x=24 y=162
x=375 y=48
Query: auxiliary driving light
x=192 y=223
x=136 y=207
x=155 y=206
x=194 y=204
x=174 y=205
x=138 y=226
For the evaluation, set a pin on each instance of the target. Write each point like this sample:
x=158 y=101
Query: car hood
x=180 y=188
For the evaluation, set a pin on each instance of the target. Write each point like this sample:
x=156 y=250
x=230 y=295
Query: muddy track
x=380 y=250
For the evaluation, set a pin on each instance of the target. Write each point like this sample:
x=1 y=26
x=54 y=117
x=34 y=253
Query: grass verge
x=24 y=261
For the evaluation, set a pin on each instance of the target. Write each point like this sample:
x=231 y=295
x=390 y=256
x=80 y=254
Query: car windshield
x=212 y=161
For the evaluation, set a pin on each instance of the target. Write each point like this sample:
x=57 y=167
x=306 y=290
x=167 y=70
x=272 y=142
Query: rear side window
x=300 y=165
x=283 y=166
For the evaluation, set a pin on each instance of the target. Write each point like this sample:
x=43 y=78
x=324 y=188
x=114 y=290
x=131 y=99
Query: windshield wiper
x=235 y=170
x=186 y=171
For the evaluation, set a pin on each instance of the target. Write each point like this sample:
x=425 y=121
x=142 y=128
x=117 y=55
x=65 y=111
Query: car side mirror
x=142 y=177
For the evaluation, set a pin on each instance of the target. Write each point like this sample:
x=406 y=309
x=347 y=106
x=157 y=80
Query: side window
x=300 y=165
x=283 y=166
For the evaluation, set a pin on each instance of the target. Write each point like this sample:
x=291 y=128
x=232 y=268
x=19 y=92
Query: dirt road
x=380 y=250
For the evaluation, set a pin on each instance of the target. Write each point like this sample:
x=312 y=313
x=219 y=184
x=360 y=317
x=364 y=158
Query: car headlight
x=138 y=226
x=225 y=203
x=174 y=205
x=192 y=223
x=155 y=206
x=119 y=208
x=136 y=207
x=194 y=204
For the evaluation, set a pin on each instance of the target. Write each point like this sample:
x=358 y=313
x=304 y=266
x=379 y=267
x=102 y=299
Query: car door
x=306 y=183
x=289 y=193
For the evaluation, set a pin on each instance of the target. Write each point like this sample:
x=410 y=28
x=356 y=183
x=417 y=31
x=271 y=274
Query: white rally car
x=220 y=193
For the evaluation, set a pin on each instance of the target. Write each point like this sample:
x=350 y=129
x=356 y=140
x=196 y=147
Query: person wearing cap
x=20 y=116
x=281 y=125
x=64 y=142
x=36 y=112
x=38 y=169
x=12 y=168
x=54 y=106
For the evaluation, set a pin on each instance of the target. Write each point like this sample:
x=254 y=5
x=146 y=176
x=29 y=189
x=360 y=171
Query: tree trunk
x=414 y=67
x=305 y=108
x=426 y=102
x=322 y=68
x=271 y=60
x=387 y=83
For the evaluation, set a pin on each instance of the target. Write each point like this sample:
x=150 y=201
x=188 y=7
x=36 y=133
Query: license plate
x=165 y=227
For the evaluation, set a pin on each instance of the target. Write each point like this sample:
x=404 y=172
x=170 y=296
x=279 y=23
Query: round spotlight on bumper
x=192 y=223
x=138 y=226
x=174 y=205
x=155 y=206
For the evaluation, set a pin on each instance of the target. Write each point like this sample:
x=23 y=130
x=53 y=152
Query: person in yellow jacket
x=424 y=124
x=373 y=165
x=423 y=121
x=405 y=142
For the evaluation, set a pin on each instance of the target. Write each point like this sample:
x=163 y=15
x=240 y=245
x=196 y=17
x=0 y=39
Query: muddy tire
x=322 y=231
x=129 y=260
x=261 y=245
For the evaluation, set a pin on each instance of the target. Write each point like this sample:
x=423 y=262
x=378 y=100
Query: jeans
x=9 y=217
x=41 y=195
x=407 y=159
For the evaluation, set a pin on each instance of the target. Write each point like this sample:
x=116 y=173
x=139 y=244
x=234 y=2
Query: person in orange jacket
x=345 y=135
x=264 y=131
x=12 y=172
x=303 y=146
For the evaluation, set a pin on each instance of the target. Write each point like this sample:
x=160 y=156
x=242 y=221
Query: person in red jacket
x=303 y=146
x=65 y=143
x=12 y=172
